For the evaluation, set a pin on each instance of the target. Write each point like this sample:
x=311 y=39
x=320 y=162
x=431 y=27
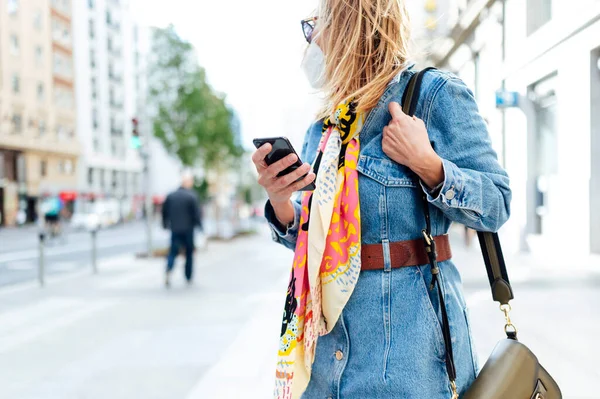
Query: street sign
x=507 y=99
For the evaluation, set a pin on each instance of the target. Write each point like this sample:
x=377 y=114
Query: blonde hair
x=366 y=44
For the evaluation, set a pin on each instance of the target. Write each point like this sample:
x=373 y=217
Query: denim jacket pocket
x=386 y=172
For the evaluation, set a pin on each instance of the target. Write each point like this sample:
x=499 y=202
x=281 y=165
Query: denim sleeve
x=475 y=190
x=284 y=235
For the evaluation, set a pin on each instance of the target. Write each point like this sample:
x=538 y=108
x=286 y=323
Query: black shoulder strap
x=409 y=105
x=496 y=268
x=490 y=244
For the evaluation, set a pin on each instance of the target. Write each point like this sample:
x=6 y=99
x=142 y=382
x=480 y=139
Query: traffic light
x=135 y=134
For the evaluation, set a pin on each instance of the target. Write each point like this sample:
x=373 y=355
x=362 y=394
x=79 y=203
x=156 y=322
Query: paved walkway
x=122 y=335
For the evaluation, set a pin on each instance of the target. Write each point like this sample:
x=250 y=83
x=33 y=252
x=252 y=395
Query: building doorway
x=545 y=153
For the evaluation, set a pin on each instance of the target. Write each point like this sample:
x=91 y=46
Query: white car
x=100 y=214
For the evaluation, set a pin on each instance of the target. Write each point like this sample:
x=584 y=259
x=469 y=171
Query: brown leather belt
x=403 y=253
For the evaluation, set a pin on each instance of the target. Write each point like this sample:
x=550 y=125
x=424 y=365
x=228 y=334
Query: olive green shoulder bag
x=512 y=371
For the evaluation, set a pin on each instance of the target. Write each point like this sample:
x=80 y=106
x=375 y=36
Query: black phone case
x=258 y=142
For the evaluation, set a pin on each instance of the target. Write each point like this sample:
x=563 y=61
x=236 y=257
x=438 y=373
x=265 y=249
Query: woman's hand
x=280 y=189
x=405 y=140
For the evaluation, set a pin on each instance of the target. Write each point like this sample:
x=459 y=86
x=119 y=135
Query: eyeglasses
x=308 y=27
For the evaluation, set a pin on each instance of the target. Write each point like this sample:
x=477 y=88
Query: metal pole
x=41 y=259
x=94 y=234
x=148 y=199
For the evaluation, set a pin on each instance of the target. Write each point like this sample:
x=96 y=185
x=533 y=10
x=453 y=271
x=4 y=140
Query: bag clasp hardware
x=454 y=390
x=432 y=254
x=509 y=328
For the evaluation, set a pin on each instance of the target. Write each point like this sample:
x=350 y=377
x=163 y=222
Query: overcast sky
x=252 y=52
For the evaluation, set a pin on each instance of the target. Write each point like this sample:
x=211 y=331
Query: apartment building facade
x=106 y=103
x=39 y=147
x=545 y=54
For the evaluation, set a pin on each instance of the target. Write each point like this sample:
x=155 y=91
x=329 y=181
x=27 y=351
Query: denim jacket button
x=339 y=355
x=450 y=194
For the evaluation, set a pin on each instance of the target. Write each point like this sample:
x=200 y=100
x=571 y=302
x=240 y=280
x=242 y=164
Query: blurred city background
x=103 y=104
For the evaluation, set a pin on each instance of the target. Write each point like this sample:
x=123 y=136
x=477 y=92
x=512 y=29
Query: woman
x=361 y=318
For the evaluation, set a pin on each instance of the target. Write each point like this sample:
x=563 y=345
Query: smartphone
x=280 y=148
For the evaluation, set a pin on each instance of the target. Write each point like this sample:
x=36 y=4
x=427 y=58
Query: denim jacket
x=475 y=192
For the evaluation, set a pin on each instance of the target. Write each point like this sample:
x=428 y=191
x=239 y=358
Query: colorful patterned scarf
x=327 y=257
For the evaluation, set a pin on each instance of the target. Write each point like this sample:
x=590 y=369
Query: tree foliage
x=192 y=121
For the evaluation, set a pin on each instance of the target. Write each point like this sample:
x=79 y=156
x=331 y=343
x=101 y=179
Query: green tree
x=192 y=121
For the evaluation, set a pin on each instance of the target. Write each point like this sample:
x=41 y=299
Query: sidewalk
x=121 y=334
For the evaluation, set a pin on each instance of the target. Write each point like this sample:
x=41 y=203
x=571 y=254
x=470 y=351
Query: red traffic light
x=135 y=122
x=135 y=134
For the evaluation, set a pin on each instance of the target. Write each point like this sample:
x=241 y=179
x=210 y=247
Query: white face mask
x=313 y=65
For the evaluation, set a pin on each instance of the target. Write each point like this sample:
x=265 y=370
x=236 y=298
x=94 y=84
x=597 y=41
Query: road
x=19 y=249
x=120 y=334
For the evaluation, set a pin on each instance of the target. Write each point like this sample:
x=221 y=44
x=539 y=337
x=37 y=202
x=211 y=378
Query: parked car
x=97 y=215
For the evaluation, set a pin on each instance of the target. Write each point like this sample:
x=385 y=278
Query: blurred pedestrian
x=51 y=208
x=363 y=316
x=181 y=214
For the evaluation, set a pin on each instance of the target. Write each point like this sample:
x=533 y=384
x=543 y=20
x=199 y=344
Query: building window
x=91 y=4
x=95 y=118
x=101 y=178
x=90 y=176
x=66 y=36
x=41 y=127
x=40 y=92
x=56 y=30
x=96 y=145
x=43 y=168
x=13 y=6
x=109 y=44
x=69 y=169
x=92 y=30
x=94 y=89
x=61 y=167
x=17 y=123
x=58 y=64
x=539 y=12
x=108 y=17
x=63 y=97
x=37 y=20
x=38 y=56
x=93 y=58
x=62 y=65
x=14 y=44
x=16 y=83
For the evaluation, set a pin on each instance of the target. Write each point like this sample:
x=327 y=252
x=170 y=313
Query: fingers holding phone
x=280 y=170
x=258 y=158
x=281 y=188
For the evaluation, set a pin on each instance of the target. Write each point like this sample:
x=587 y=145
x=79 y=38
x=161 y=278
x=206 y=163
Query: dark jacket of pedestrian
x=181 y=212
